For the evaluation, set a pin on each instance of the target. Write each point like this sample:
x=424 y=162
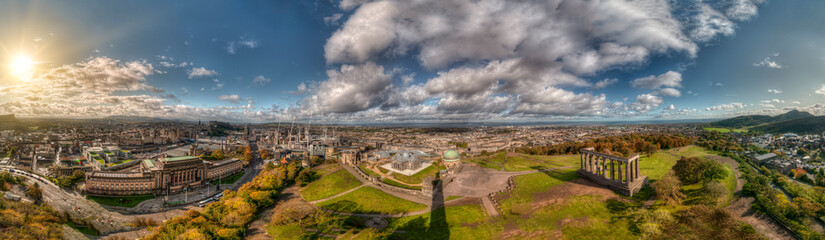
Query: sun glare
x=21 y=65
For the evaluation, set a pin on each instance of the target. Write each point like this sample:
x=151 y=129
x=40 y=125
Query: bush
x=694 y=170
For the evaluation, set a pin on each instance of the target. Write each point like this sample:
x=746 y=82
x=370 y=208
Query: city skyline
x=400 y=61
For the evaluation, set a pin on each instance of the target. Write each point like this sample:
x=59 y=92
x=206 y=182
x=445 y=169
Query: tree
x=35 y=192
x=247 y=154
x=714 y=192
x=266 y=154
x=712 y=171
x=668 y=189
x=218 y=154
x=688 y=170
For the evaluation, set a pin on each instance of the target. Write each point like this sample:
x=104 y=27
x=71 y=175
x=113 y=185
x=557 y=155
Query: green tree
x=668 y=189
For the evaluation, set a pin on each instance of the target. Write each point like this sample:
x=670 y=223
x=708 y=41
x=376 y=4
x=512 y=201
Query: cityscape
x=360 y=119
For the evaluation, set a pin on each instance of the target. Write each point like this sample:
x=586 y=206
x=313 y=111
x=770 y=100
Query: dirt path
x=740 y=207
x=488 y=205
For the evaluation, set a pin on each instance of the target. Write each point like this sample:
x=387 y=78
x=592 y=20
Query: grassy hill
x=754 y=120
x=9 y=122
x=793 y=121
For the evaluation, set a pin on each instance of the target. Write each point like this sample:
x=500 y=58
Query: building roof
x=764 y=157
x=149 y=163
x=180 y=158
x=450 y=156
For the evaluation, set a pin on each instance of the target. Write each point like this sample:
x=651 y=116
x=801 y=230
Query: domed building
x=451 y=159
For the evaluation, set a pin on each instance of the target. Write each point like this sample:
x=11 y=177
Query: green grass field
x=416 y=178
x=397 y=184
x=330 y=185
x=690 y=151
x=528 y=184
x=460 y=222
x=289 y=231
x=325 y=169
x=532 y=162
x=725 y=130
x=655 y=166
x=371 y=200
x=124 y=201
x=580 y=217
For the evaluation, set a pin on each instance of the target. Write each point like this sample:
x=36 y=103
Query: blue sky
x=397 y=61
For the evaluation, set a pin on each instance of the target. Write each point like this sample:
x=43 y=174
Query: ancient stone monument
x=617 y=173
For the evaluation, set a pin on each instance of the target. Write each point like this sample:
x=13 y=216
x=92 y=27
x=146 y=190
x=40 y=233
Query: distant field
x=371 y=200
x=725 y=130
x=330 y=185
x=690 y=151
x=460 y=222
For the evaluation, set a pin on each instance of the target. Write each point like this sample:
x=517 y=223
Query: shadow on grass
x=438 y=227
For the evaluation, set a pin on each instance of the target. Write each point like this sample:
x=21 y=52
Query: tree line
x=625 y=145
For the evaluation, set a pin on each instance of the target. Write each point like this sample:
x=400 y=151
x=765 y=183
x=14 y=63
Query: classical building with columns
x=617 y=173
x=162 y=176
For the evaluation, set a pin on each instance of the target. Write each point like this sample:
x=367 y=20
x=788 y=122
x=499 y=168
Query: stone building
x=451 y=159
x=406 y=161
x=617 y=173
x=165 y=175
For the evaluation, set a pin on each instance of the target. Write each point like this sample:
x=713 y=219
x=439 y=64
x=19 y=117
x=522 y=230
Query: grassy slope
x=330 y=185
x=370 y=200
x=416 y=178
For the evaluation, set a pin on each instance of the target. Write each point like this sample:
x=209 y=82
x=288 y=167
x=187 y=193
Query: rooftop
x=180 y=158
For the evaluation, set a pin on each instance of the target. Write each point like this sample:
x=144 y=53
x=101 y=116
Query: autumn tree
x=266 y=154
x=247 y=154
x=35 y=192
x=668 y=189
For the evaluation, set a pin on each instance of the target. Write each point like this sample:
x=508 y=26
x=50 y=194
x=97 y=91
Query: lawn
x=690 y=151
x=397 y=184
x=330 y=185
x=83 y=229
x=416 y=178
x=570 y=160
x=532 y=162
x=289 y=231
x=489 y=161
x=325 y=169
x=368 y=171
x=371 y=200
x=529 y=184
x=655 y=166
x=229 y=179
x=121 y=201
x=580 y=217
x=459 y=222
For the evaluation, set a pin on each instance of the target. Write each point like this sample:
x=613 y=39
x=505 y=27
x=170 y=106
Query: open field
x=368 y=171
x=690 y=151
x=330 y=185
x=370 y=200
x=527 y=185
x=460 y=222
x=657 y=165
x=725 y=130
x=398 y=184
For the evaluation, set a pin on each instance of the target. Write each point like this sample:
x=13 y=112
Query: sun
x=21 y=65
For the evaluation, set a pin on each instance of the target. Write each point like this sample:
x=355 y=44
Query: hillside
x=809 y=125
x=755 y=120
x=9 y=122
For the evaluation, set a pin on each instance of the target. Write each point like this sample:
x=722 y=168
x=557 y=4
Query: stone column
x=611 y=170
x=628 y=172
x=620 y=172
x=581 y=160
x=637 y=167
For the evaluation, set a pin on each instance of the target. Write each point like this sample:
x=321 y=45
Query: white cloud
x=646 y=102
x=767 y=62
x=668 y=79
x=230 y=98
x=333 y=19
x=670 y=92
x=710 y=23
x=726 y=107
x=773 y=101
x=605 y=83
x=821 y=90
x=233 y=46
x=260 y=80
x=775 y=91
x=201 y=72
x=671 y=107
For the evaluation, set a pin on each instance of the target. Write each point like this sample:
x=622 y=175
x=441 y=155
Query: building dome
x=450 y=156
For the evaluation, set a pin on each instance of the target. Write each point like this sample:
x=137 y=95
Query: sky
x=361 y=61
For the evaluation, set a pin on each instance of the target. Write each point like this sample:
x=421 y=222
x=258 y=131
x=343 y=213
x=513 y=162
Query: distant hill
x=808 y=125
x=9 y=122
x=755 y=120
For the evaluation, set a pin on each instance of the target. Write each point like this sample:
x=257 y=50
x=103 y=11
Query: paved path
x=488 y=205
x=405 y=196
x=340 y=194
